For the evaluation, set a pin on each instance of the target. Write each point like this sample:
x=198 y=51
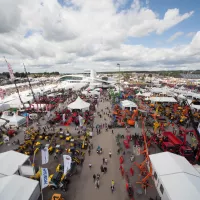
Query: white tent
x=128 y=104
x=4 y=107
x=192 y=105
x=195 y=95
x=85 y=92
x=16 y=187
x=181 y=96
x=163 y=99
x=146 y=94
x=79 y=104
x=179 y=180
x=14 y=119
x=139 y=94
x=91 y=93
x=94 y=92
x=10 y=162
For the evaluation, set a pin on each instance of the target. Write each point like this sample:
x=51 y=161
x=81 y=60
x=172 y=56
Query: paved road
x=85 y=187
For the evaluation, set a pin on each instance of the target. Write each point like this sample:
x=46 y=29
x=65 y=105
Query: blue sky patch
x=30 y=32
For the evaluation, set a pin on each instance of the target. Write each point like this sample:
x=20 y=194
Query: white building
x=174 y=177
x=11 y=161
x=16 y=187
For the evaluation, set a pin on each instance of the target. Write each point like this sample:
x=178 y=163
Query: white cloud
x=9 y=16
x=85 y=34
x=191 y=34
x=173 y=37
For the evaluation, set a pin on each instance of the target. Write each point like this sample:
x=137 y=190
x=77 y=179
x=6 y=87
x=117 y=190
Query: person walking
x=55 y=156
x=98 y=176
x=101 y=168
x=110 y=154
x=95 y=183
x=105 y=169
x=89 y=151
x=112 y=185
x=90 y=165
x=94 y=177
x=106 y=161
x=103 y=161
x=98 y=183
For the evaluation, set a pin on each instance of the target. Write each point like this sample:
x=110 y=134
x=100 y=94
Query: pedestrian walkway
x=86 y=188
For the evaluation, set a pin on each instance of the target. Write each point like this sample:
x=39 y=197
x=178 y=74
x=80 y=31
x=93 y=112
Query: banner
x=48 y=114
x=137 y=150
x=80 y=120
x=45 y=155
x=63 y=117
x=44 y=177
x=12 y=77
x=2 y=93
x=67 y=163
x=27 y=121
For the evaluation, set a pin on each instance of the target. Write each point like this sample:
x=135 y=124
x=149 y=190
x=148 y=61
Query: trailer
x=170 y=137
x=173 y=144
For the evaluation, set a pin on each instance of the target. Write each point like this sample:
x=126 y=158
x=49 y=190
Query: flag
x=137 y=150
x=12 y=77
x=67 y=163
x=63 y=117
x=2 y=93
x=80 y=120
x=27 y=121
x=47 y=107
x=45 y=155
x=44 y=177
x=48 y=114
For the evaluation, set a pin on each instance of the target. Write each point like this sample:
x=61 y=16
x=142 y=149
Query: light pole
x=119 y=75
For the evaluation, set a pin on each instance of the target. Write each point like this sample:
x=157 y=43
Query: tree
x=126 y=76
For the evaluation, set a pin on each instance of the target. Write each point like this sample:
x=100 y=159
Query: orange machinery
x=131 y=121
x=146 y=164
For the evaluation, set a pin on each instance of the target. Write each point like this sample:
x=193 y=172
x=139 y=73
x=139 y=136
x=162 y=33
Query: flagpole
x=13 y=80
x=41 y=183
x=29 y=83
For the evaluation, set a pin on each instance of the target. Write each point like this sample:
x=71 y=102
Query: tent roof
x=21 y=187
x=181 y=186
x=146 y=94
x=179 y=179
x=192 y=105
x=163 y=99
x=11 y=161
x=78 y=104
x=178 y=164
x=127 y=103
x=181 y=96
x=14 y=118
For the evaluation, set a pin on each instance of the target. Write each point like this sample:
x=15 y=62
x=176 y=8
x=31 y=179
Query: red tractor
x=11 y=132
x=173 y=144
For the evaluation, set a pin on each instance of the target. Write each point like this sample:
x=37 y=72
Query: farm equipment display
x=123 y=117
x=58 y=180
x=11 y=132
x=57 y=197
x=37 y=174
x=173 y=144
x=59 y=149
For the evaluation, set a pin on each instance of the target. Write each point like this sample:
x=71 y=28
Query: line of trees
x=23 y=75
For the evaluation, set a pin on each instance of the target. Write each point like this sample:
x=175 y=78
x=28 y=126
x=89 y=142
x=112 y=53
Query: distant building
x=3 y=77
x=190 y=76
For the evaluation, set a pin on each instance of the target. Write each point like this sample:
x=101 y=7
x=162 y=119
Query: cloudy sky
x=74 y=35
